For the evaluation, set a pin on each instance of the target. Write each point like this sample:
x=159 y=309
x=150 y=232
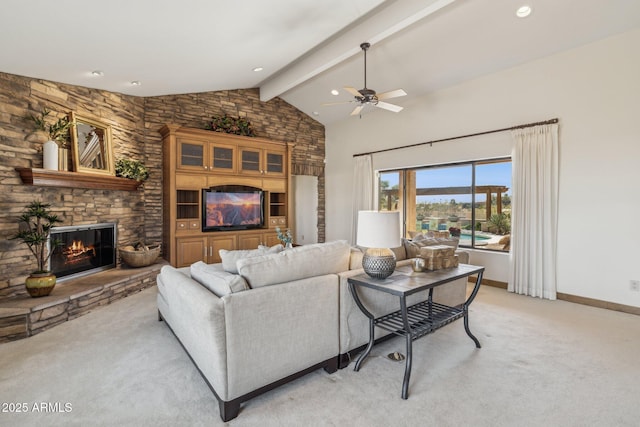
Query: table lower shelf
x=424 y=318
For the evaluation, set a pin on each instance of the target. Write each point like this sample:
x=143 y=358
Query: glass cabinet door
x=223 y=158
x=191 y=155
x=250 y=160
x=275 y=163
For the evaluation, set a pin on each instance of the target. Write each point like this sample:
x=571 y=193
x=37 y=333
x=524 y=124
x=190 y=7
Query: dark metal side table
x=420 y=319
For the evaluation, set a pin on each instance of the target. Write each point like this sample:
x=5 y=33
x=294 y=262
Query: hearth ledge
x=22 y=316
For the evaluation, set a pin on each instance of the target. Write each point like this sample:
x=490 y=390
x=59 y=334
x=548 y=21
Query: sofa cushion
x=295 y=264
x=216 y=280
x=230 y=258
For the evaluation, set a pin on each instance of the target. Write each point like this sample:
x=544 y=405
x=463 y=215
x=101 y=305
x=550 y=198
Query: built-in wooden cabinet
x=253 y=240
x=195 y=159
x=193 y=249
x=258 y=161
x=201 y=155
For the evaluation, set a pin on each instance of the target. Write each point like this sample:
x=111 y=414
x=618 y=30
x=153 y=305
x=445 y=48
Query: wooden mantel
x=53 y=178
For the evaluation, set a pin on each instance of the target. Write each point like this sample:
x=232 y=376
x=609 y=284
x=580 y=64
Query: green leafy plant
x=57 y=131
x=286 y=237
x=132 y=169
x=500 y=223
x=35 y=227
x=233 y=125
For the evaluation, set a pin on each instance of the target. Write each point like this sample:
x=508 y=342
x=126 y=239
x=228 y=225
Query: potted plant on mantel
x=132 y=169
x=58 y=134
x=35 y=227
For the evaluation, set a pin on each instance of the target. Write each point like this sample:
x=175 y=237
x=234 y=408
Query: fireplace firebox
x=85 y=249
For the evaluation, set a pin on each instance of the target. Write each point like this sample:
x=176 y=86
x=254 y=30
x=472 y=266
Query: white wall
x=305 y=199
x=595 y=92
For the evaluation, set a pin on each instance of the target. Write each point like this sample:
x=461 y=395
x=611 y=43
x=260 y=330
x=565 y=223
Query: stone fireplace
x=85 y=249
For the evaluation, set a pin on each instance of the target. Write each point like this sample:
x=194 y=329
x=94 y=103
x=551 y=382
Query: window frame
x=403 y=191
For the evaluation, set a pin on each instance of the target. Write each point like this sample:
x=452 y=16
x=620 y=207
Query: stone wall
x=135 y=122
x=276 y=120
x=21 y=147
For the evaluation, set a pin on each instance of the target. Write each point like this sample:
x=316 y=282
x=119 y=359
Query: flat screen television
x=232 y=207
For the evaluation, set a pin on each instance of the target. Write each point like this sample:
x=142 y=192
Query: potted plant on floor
x=35 y=227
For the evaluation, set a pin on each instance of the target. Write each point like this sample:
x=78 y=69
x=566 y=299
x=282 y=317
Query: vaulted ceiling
x=305 y=48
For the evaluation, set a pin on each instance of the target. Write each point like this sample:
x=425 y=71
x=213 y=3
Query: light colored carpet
x=542 y=363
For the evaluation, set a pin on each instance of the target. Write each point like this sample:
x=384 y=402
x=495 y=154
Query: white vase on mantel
x=50 y=155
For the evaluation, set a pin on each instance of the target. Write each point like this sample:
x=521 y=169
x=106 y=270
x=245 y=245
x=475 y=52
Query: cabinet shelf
x=53 y=178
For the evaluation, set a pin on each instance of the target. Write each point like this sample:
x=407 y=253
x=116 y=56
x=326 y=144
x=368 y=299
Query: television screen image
x=232 y=210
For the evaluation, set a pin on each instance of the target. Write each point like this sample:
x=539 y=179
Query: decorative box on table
x=437 y=251
x=438 y=257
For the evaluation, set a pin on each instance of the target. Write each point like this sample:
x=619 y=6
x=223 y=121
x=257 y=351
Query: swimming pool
x=466 y=238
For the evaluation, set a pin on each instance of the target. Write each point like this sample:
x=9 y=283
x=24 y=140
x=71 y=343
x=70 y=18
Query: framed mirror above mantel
x=91 y=145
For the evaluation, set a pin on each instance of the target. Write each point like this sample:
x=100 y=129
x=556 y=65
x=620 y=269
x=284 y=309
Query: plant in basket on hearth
x=35 y=227
x=286 y=238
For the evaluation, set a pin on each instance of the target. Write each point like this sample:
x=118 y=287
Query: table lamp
x=378 y=231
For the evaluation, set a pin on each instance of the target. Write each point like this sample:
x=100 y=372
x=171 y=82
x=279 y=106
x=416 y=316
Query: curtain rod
x=528 y=125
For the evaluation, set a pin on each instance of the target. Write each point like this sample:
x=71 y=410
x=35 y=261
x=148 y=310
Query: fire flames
x=77 y=249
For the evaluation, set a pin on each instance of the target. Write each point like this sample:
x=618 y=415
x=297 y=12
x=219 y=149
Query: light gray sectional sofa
x=280 y=316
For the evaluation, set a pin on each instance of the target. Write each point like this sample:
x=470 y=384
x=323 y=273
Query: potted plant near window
x=35 y=227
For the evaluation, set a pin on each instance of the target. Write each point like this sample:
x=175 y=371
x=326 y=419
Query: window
x=472 y=200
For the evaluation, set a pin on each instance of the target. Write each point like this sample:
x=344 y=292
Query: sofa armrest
x=196 y=316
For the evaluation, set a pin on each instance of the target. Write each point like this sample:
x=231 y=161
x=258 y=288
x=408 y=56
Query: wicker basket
x=142 y=258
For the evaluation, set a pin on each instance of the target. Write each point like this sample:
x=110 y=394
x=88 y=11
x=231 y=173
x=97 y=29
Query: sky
x=457 y=176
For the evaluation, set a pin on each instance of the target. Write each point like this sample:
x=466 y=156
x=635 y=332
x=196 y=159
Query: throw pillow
x=230 y=258
x=219 y=282
x=400 y=252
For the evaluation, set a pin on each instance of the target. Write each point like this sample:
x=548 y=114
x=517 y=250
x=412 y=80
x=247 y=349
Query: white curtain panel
x=534 y=211
x=362 y=190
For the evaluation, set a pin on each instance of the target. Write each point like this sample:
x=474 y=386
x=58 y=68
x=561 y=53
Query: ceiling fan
x=367 y=96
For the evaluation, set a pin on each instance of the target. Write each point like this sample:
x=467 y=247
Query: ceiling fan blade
x=390 y=107
x=357 y=110
x=353 y=91
x=337 y=103
x=392 y=94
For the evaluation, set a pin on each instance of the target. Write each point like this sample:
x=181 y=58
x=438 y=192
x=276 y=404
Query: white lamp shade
x=378 y=229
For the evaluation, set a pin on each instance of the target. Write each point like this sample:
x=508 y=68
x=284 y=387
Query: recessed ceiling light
x=136 y=83
x=315 y=113
x=523 y=11
x=97 y=73
x=258 y=69
x=335 y=92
